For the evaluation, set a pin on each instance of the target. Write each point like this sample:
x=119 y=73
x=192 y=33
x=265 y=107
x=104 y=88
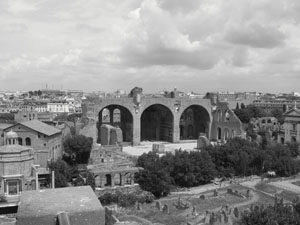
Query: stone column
x=122 y=179
x=136 y=136
x=112 y=180
x=298 y=132
x=176 y=128
x=132 y=179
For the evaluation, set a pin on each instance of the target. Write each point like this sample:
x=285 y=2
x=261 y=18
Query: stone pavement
x=146 y=146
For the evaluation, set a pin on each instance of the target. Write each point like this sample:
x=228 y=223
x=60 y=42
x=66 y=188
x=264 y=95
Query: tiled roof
x=41 y=127
x=13 y=148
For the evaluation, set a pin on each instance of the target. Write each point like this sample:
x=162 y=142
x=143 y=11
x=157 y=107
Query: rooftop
x=42 y=207
x=40 y=127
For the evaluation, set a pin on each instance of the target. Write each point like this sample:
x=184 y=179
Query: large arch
x=194 y=120
x=157 y=123
x=117 y=116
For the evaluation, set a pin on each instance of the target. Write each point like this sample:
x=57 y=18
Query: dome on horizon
x=11 y=134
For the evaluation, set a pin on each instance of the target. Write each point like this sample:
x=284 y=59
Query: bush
x=125 y=199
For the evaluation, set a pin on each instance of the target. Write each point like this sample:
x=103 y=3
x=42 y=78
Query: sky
x=193 y=45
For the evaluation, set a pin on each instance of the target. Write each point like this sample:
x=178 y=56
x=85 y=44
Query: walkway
x=287 y=185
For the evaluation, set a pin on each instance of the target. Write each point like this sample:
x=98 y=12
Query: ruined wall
x=225 y=124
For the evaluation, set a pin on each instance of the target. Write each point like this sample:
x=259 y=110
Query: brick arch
x=157 y=123
x=125 y=122
x=168 y=106
x=194 y=119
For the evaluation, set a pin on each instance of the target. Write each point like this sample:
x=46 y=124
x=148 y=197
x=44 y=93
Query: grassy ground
x=176 y=216
x=296 y=183
x=286 y=195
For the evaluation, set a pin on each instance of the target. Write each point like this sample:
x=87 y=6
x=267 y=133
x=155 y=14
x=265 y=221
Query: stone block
x=116 y=136
x=215 y=194
x=236 y=212
x=105 y=134
x=158 y=148
x=229 y=191
x=43 y=206
x=165 y=209
x=202 y=141
x=158 y=205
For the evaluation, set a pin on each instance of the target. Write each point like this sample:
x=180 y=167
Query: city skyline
x=202 y=46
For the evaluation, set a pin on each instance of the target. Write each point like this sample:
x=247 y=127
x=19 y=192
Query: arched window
x=219 y=133
x=219 y=115
x=117 y=116
x=20 y=140
x=105 y=116
x=227 y=116
x=28 y=141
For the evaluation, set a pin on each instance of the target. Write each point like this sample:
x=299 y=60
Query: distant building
x=18 y=169
x=291 y=127
x=58 y=107
x=44 y=139
x=268 y=105
x=265 y=123
x=15 y=165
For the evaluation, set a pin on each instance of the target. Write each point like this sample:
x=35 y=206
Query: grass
x=296 y=183
x=286 y=195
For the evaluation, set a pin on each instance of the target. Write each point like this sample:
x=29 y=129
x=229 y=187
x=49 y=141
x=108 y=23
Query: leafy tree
x=61 y=117
x=157 y=182
x=278 y=115
x=62 y=172
x=246 y=113
x=78 y=149
x=7 y=116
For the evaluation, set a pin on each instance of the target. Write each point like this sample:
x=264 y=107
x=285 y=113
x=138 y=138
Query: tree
x=78 y=149
x=62 y=172
x=278 y=115
x=7 y=116
x=157 y=182
x=243 y=106
x=237 y=106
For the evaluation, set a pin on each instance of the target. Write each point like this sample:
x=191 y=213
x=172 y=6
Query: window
x=294 y=127
x=20 y=141
x=12 y=187
x=45 y=144
x=28 y=141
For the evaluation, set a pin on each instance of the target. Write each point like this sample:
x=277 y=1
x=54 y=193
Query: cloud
x=202 y=44
x=22 y=6
x=154 y=39
x=256 y=35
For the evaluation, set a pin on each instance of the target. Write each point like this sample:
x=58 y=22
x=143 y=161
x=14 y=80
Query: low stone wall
x=113 y=190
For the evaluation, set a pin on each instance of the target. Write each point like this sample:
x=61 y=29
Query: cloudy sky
x=199 y=45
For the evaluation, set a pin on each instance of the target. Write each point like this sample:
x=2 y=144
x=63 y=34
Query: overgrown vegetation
x=238 y=157
x=77 y=149
x=183 y=168
x=125 y=199
x=279 y=213
x=241 y=157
